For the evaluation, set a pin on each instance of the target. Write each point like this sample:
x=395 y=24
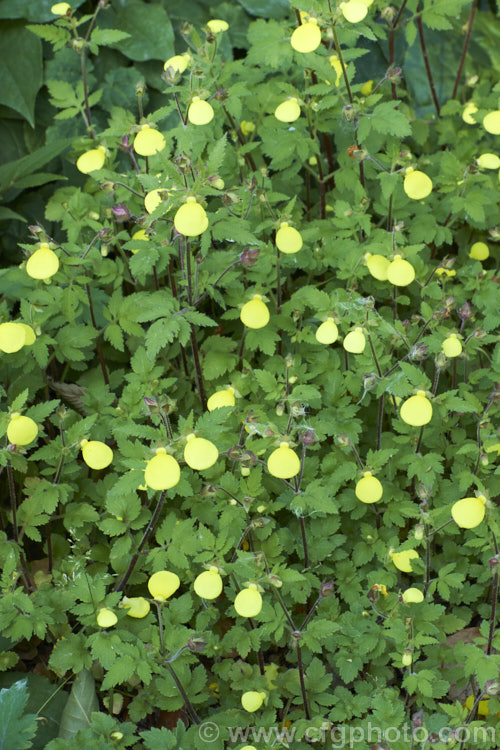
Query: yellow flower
x=382 y=588
x=469 y=110
x=417 y=185
x=43 y=264
x=469 y=512
x=400 y=272
x=208 y=585
x=479 y=251
x=199 y=453
x=216 y=25
x=452 y=346
x=149 y=141
x=191 y=219
x=178 y=63
x=288 y=239
x=416 y=410
x=288 y=111
x=247 y=127
x=153 y=200
x=137 y=606
x=366 y=90
x=200 y=112
x=255 y=313
x=91 y=160
x=378 y=266
x=248 y=602
x=412 y=596
x=328 y=332
x=488 y=161
x=106 y=618
x=337 y=66
x=221 y=398
x=252 y=700
x=354 y=11
x=491 y=122
x=12 y=337
x=60 y=9
x=306 y=37
x=21 y=430
x=283 y=462
x=355 y=341
x=97 y=455
x=402 y=560
x=369 y=489
x=162 y=471
x=163 y=584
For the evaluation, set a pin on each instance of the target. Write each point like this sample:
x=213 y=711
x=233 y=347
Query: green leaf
x=15 y=170
x=6 y=214
x=150 y=33
x=46 y=700
x=16 y=729
x=21 y=72
x=266 y=8
x=216 y=156
x=82 y=701
x=107 y=37
x=56 y=35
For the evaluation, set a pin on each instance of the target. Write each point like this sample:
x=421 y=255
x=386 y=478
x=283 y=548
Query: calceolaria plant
x=250 y=379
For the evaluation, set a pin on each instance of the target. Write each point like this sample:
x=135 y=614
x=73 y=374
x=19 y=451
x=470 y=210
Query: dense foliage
x=250 y=373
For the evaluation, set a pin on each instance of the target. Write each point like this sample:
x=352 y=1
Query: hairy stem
x=465 y=48
x=149 y=528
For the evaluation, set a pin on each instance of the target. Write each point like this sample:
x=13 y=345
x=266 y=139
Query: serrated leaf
x=16 y=729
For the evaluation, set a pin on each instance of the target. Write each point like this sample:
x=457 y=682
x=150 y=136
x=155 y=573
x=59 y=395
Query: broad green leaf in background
x=16 y=729
x=46 y=700
x=33 y=11
x=266 y=8
x=151 y=34
x=27 y=165
x=81 y=703
x=20 y=69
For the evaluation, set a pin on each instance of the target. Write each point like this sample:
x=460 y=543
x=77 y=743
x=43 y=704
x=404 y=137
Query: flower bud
x=343 y=440
x=492 y=687
x=465 y=311
x=394 y=74
x=308 y=437
x=196 y=644
x=493 y=561
x=140 y=87
x=78 y=44
x=120 y=212
x=419 y=531
x=440 y=360
x=349 y=113
x=275 y=581
x=326 y=588
x=249 y=257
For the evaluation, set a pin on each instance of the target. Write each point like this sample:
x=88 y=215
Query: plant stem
x=494 y=599
x=302 y=682
x=311 y=612
x=197 y=367
x=88 y=116
x=304 y=541
x=151 y=525
x=427 y=559
x=98 y=341
x=465 y=48
x=189 y=706
x=13 y=505
x=426 y=61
